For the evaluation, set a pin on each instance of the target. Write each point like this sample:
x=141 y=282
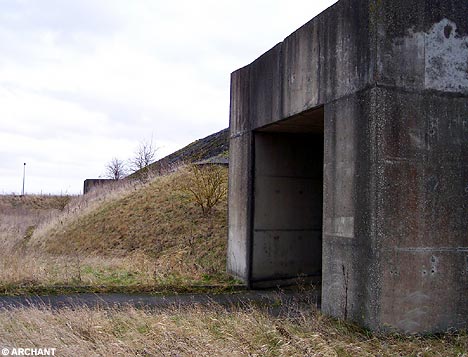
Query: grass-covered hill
x=149 y=218
x=139 y=235
x=11 y=203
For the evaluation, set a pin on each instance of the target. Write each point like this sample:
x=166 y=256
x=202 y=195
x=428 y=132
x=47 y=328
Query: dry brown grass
x=128 y=234
x=149 y=218
x=36 y=202
x=208 y=331
x=20 y=215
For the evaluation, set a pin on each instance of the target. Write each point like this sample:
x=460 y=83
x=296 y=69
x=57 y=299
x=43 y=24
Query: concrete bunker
x=389 y=81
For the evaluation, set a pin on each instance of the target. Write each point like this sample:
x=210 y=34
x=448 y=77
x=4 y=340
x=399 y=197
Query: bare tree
x=144 y=155
x=116 y=169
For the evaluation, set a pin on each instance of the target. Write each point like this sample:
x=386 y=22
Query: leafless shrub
x=207 y=185
x=116 y=169
x=144 y=155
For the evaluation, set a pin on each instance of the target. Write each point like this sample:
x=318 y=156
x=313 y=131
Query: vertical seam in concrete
x=251 y=209
x=424 y=51
x=319 y=70
x=374 y=19
x=281 y=81
x=374 y=192
x=250 y=199
x=374 y=28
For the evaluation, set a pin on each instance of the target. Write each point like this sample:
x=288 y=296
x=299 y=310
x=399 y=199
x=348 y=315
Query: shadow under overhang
x=309 y=121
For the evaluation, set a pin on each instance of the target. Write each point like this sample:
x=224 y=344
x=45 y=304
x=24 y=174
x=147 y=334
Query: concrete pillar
x=421 y=210
x=350 y=287
x=240 y=182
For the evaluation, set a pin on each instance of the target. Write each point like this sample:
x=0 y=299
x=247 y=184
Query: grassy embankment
x=133 y=237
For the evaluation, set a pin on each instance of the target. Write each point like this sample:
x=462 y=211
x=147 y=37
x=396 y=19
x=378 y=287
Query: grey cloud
x=66 y=16
x=126 y=119
x=76 y=24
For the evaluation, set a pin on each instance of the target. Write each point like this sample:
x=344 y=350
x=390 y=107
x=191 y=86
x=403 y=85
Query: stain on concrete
x=340 y=227
x=443 y=52
x=446 y=58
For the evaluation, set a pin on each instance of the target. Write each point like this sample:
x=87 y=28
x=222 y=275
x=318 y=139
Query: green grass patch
x=162 y=289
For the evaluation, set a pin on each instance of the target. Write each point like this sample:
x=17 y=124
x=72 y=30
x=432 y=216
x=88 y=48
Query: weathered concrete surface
x=421 y=212
x=90 y=184
x=240 y=163
x=421 y=45
x=349 y=279
x=389 y=80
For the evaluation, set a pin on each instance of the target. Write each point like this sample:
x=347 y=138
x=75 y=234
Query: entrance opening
x=288 y=201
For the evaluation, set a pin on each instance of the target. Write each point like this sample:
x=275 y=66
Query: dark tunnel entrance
x=288 y=201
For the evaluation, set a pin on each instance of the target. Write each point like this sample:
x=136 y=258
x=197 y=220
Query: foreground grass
x=212 y=330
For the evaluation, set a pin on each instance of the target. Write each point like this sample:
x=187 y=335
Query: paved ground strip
x=273 y=298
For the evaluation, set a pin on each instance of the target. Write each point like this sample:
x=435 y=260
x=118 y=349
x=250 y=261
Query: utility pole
x=24 y=176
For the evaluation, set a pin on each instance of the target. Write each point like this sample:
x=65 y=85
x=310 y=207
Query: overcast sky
x=83 y=81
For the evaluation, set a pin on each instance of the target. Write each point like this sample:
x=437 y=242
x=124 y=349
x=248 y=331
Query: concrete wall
x=90 y=184
x=421 y=210
x=392 y=79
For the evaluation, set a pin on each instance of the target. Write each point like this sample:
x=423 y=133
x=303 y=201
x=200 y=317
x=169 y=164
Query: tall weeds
x=208 y=331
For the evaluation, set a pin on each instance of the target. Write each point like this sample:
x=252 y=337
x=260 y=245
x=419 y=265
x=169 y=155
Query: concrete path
x=273 y=298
